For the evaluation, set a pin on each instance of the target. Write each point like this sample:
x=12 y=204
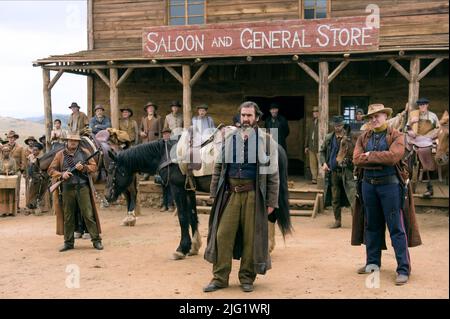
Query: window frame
x=302 y=10
x=186 y=15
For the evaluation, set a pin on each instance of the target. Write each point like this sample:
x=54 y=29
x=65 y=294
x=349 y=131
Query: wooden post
x=47 y=106
x=187 y=91
x=90 y=41
x=323 y=105
x=114 y=97
x=414 y=84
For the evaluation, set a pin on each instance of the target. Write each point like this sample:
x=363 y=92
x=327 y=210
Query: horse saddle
x=102 y=136
x=423 y=146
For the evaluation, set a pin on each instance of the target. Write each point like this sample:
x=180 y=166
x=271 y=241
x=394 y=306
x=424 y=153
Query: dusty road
x=315 y=262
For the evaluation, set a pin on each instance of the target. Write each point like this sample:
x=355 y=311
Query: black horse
x=146 y=158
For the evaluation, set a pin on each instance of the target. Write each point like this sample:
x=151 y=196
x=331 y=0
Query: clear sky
x=30 y=30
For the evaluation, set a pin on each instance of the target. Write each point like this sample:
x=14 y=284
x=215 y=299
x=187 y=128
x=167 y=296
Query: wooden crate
x=8 y=181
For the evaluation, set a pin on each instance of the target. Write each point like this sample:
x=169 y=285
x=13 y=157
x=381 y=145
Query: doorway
x=293 y=109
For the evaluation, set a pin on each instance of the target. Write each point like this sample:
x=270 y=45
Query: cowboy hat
x=166 y=130
x=359 y=110
x=127 y=109
x=12 y=134
x=315 y=109
x=150 y=104
x=74 y=104
x=274 y=106
x=337 y=120
x=73 y=137
x=175 y=103
x=30 y=138
x=42 y=139
x=39 y=146
x=99 y=107
x=378 y=108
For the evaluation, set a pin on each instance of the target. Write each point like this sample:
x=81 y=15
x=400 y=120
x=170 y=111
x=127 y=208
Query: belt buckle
x=373 y=181
x=236 y=188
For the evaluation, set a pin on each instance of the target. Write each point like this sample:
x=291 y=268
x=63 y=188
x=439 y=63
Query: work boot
x=337 y=224
x=98 y=245
x=171 y=209
x=211 y=287
x=163 y=209
x=314 y=181
x=429 y=191
x=368 y=269
x=65 y=248
x=247 y=287
x=401 y=279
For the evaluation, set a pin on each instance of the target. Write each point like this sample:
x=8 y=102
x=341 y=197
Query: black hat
x=127 y=109
x=274 y=106
x=74 y=104
x=175 y=103
x=338 y=120
x=39 y=146
x=202 y=106
x=423 y=100
x=42 y=139
x=150 y=104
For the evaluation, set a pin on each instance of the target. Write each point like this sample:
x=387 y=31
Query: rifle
x=71 y=170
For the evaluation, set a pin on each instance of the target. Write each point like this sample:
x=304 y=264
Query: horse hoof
x=196 y=244
x=178 y=256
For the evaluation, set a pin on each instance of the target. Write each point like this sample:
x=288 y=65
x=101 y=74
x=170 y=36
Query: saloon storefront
x=343 y=58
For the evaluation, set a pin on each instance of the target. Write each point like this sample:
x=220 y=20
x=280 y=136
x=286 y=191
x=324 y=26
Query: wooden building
x=141 y=50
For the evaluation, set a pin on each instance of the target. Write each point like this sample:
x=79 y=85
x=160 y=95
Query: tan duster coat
x=55 y=172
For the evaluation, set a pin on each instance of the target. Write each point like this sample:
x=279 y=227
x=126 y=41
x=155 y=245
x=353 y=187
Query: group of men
x=245 y=194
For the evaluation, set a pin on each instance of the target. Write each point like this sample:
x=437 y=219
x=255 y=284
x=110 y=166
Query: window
x=349 y=105
x=315 y=9
x=181 y=12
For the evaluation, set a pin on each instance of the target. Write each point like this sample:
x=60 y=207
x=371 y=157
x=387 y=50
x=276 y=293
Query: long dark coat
x=266 y=195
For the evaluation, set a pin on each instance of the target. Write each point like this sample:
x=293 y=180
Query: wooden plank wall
x=119 y=23
x=223 y=88
x=407 y=23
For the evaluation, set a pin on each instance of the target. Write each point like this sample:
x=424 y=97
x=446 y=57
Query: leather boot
x=337 y=224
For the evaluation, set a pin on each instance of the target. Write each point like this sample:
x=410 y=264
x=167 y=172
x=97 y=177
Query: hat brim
x=386 y=110
x=131 y=112
x=71 y=139
x=30 y=139
x=15 y=136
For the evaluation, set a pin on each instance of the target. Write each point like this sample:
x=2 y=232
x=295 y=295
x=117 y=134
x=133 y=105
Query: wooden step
x=302 y=202
x=301 y=213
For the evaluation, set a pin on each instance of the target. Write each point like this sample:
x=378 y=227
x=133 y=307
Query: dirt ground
x=315 y=262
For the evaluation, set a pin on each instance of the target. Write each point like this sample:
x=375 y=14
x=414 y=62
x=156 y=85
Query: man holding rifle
x=72 y=166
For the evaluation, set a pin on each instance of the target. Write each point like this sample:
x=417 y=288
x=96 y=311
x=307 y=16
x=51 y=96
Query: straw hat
x=378 y=108
x=12 y=134
x=73 y=137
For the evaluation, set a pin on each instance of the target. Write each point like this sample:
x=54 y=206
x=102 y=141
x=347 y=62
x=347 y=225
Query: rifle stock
x=71 y=170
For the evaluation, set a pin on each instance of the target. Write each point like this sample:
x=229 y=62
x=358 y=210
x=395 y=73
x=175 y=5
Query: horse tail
x=282 y=215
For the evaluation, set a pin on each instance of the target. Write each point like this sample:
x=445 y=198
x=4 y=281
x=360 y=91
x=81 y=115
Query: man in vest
x=78 y=121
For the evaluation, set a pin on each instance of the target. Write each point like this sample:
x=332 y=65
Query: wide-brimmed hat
x=39 y=146
x=30 y=138
x=422 y=100
x=315 y=109
x=42 y=139
x=127 y=109
x=166 y=130
x=378 y=108
x=12 y=134
x=202 y=106
x=273 y=106
x=74 y=104
x=175 y=103
x=99 y=107
x=337 y=120
x=150 y=104
x=73 y=137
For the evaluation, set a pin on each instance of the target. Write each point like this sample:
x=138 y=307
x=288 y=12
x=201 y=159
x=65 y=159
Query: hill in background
x=41 y=119
x=22 y=127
